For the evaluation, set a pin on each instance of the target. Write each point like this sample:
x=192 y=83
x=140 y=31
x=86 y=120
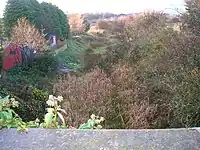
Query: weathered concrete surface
x=51 y=139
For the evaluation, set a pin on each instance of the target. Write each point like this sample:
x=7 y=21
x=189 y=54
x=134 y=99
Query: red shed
x=12 y=56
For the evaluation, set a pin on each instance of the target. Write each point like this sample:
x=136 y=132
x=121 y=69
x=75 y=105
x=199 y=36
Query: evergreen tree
x=1 y=28
x=41 y=15
x=1 y=33
x=57 y=20
x=16 y=9
x=64 y=24
x=86 y=24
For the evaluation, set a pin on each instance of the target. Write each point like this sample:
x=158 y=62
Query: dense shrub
x=166 y=66
x=156 y=88
x=120 y=98
x=90 y=59
x=33 y=104
x=32 y=100
x=84 y=95
x=38 y=74
x=185 y=81
x=165 y=62
x=130 y=100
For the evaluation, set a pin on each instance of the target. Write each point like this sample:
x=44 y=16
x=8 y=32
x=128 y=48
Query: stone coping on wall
x=67 y=139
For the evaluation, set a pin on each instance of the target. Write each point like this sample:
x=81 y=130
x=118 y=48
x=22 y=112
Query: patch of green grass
x=72 y=55
x=77 y=46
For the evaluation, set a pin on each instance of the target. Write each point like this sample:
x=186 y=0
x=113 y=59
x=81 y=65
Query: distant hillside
x=94 y=17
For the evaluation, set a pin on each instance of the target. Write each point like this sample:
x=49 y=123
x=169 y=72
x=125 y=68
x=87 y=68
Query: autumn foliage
x=26 y=33
x=78 y=22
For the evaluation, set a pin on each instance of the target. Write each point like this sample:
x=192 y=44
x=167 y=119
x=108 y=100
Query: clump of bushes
x=84 y=95
x=32 y=100
x=164 y=60
x=43 y=67
x=112 y=96
x=90 y=59
x=33 y=104
x=152 y=74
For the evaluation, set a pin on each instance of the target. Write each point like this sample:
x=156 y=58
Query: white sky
x=114 y=6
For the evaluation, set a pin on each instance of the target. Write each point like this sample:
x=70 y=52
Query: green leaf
x=4 y=115
x=48 y=118
x=6 y=98
x=10 y=113
x=9 y=125
x=1 y=105
x=91 y=123
x=85 y=126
